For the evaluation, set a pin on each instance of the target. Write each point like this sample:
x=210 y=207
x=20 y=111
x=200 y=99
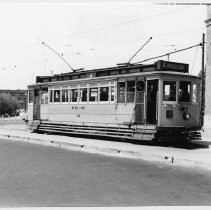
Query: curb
x=162 y=159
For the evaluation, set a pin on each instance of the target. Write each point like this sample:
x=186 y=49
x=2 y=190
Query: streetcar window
x=51 y=96
x=93 y=94
x=83 y=95
x=104 y=93
x=140 y=85
x=121 y=92
x=112 y=93
x=56 y=96
x=169 y=91
x=74 y=95
x=195 y=94
x=44 y=96
x=114 y=72
x=130 y=91
x=65 y=96
x=31 y=96
x=184 y=91
x=104 y=83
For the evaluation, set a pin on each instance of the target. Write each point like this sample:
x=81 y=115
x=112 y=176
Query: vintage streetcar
x=153 y=102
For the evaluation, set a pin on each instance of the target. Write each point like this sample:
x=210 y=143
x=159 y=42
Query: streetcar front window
x=56 y=96
x=130 y=91
x=195 y=94
x=104 y=93
x=169 y=91
x=184 y=91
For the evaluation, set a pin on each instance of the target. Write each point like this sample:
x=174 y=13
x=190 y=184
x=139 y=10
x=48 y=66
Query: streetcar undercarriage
x=135 y=132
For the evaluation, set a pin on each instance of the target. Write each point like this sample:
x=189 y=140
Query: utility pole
x=203 y=74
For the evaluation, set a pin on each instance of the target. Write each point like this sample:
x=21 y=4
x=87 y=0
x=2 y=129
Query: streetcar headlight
x=186 y=116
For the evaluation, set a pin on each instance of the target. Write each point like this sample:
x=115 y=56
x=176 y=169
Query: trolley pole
x=203 y=74
x=50 y=48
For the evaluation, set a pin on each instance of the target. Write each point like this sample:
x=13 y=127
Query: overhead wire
x=194 y=59
x=137 y=40
x=93 y=49
x=107 y=46
x=135 y=20
x=129 y=21
x=167 y=54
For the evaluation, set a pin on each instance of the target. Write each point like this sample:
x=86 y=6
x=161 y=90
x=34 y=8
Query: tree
x=8 y=104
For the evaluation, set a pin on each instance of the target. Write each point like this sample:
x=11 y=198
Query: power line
x=106 y=46
x=178 y=32
x=142 y=38
x=195 y=58
x=121 y=43
x=128 y=22
x=8 y=68
x=185 y=3
x=167 y=54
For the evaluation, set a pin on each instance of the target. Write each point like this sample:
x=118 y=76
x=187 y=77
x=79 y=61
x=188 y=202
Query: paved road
x=34 y=175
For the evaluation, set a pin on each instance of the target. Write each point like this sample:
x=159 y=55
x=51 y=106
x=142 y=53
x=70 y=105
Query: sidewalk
x=200 y=157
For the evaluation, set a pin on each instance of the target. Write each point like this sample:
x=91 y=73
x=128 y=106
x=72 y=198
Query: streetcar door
x=152 y=90
x=36 y=106
x=139 y=108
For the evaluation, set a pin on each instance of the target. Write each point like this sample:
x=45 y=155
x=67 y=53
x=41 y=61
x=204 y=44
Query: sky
x=93 y=35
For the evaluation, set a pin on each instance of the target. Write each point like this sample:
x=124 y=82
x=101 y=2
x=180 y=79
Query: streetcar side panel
x=84 y=113
x=44 y=112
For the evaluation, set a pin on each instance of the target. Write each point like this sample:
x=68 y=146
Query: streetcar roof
x=146 y=74
x=158 y=68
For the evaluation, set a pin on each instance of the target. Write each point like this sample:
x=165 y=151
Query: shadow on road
x=197 y=144
x=177 y=144
x=174 y=144
x=186 y=145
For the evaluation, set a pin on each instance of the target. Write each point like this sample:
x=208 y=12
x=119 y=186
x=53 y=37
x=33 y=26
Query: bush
x=8 y=105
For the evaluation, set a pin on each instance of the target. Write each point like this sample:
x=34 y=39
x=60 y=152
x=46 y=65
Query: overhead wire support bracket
x=50 y=48
x=139 y=50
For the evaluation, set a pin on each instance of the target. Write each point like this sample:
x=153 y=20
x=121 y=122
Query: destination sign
x=172 y=66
